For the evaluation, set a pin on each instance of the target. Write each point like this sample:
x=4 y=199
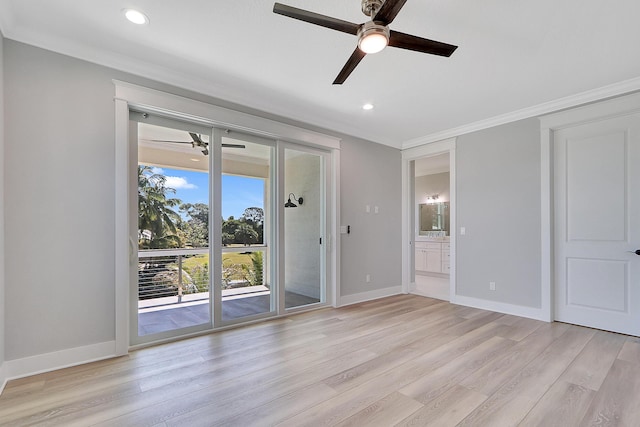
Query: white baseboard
x=501 y=307
x=32 y=365
x=368 y=296
x=3 y=377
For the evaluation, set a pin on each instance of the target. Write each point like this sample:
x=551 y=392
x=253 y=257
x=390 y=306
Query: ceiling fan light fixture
x=372 y=37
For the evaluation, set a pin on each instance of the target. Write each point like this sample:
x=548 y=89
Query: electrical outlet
x=492 y=286
x=463 y=231
x=367 y=278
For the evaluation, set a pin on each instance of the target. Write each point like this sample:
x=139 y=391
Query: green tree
x=229 y=228
x=255 y=218
x=196 y=228
x=245 y=234
x=156 y=218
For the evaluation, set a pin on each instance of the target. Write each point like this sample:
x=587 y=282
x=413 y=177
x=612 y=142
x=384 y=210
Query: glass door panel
x=303 y=228
x=246 y=282
x=172 y=292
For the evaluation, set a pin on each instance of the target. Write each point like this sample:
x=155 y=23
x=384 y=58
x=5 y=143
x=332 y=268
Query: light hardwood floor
x=404 y=360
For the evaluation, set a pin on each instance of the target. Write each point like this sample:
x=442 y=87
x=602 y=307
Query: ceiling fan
x=373 y=36
x=198 y=142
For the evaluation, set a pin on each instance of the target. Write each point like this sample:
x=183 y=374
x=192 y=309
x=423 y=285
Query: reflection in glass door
x=246 y=181
x=304 y=218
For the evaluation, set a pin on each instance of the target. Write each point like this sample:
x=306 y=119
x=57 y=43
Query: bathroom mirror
x=434 y=217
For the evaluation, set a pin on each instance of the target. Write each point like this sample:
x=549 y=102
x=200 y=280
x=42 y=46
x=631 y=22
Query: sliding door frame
x=133 y=97
x=136 y=117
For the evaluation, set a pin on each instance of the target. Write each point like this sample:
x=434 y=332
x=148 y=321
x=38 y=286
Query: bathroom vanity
x=432 y=242
x=432 y=255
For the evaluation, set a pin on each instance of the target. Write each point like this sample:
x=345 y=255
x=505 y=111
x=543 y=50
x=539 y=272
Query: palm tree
x=156 y=218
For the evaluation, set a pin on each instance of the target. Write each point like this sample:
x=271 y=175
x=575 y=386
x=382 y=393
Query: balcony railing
x=174 y=276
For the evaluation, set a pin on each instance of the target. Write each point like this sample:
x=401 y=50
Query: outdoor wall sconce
x=290 y=204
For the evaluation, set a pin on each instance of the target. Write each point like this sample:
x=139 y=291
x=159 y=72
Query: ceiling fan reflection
x=196 y=141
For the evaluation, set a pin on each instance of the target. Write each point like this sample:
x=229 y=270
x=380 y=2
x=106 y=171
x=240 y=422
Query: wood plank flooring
x=400 y=361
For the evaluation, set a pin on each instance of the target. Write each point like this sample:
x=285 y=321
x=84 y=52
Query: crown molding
x=225 y=92
x=604 y=92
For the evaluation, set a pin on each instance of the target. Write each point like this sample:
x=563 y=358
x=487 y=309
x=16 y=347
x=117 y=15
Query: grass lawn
x=227 y=259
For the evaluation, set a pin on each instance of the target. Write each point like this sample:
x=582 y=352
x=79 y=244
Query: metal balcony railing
x=170 y=275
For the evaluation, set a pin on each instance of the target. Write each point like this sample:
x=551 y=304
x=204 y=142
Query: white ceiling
x=513 y=55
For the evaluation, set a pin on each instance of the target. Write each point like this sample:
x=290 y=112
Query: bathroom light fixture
x=433 y=198
x=367 y=106
x=136 y=16
x=290 y=204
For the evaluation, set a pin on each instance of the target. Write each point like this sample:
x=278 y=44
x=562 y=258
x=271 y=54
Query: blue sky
x=238 y=192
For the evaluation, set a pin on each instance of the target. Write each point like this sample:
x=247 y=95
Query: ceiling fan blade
x=316 y=18
x=351 y=64
x=388 y=11
x=418 y=44
x=177 y=142
x=196 y=138
x=204 y=144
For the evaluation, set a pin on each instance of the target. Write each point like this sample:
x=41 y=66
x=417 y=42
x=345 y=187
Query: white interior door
x=597 y=224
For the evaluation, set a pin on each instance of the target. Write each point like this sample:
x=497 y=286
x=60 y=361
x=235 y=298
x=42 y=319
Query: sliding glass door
x=226 y=227
x=304 y=220
x=170 y=228
x=246 y=280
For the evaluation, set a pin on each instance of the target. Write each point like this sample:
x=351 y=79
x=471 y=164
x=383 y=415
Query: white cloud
x=179 y=183
x=158 y=171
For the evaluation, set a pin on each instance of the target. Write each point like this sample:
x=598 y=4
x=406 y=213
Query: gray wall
x=498 y=202
x=428 y=185
x=2 y=271
x=370 y=175
x=59 y=202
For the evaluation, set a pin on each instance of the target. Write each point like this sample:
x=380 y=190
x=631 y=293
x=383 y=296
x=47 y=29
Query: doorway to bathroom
x=432 y=204
x=429 y=220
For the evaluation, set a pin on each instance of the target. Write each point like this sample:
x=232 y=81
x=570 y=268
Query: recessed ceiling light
x=367 y=107
x=195 y=160
x=136 y=16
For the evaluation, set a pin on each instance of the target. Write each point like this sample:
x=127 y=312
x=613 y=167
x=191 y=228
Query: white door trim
x=548 y=124
x=432 y=149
